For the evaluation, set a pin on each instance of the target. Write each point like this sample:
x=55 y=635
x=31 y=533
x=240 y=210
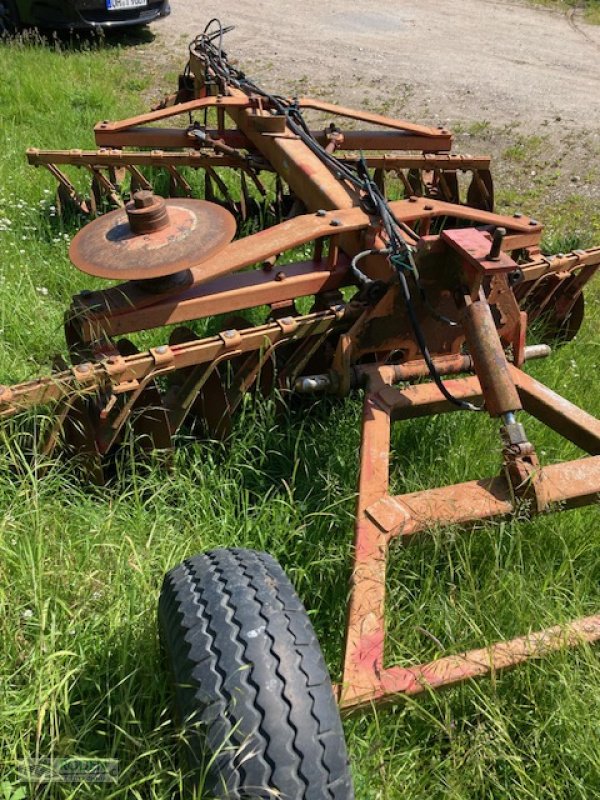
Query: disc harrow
x=122 y=165
x=379 y=274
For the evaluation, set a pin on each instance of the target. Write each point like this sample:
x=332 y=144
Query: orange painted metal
x=554 y=411
x=146 y=136
x=474 y=268
x=121 y=375
x=392 y=684
x=132 y=310
x=382 y=517
x=128 y=308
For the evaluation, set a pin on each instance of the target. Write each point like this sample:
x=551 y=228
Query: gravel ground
x=499 y=74
x=448 y=59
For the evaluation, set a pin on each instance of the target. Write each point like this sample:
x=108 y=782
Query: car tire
x=252 y=693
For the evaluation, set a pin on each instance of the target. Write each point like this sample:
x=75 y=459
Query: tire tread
x=252 y=691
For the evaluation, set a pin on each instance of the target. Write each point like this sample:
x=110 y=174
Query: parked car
x=79 y=14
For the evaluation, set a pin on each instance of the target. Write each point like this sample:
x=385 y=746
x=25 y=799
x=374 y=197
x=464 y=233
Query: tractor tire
x=252 y=693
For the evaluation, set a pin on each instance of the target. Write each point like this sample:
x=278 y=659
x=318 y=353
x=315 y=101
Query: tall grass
x=80 y=568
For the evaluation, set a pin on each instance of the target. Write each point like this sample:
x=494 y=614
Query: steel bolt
x=143 y=199
x=229 y=334
x=335 y=223
x=517 y=215
x=321 y=213
x=413 y=198
x=496 y=248
x=533 y=222
x=162 y=349
x=85 y=367
x=287 y=321
x=428 y=207
x=280 y=276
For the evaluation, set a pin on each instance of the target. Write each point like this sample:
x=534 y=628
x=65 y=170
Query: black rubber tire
x=252 y=692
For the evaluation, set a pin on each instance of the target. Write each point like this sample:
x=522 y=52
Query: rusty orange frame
x=382 y=518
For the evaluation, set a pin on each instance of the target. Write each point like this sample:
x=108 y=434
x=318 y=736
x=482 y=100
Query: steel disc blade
x=213 y=407
x=79 y=434
x=148 y=417
x=480 y=193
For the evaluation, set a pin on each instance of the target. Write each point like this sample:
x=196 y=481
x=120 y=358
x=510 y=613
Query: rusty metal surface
x=382 y=517
x=109 y=248
x=559 y=414
x=391 y=684
x=123 y=375
x=489 y=359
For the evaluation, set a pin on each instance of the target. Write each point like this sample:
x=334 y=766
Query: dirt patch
x=498 y=73
x=469 y=59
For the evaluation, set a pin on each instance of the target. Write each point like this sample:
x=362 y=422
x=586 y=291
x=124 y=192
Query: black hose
x=400 y=252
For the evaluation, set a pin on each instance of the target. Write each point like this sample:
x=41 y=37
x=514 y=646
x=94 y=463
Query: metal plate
x=120 y=5
x=107 y=248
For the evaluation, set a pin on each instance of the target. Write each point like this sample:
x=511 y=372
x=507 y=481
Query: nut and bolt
x=335 y=223
x=85 y=367
x=321 y=213
x=147 y=213
x=162 y=349
x=280 y=276
x=229 y=334
x=143 y=199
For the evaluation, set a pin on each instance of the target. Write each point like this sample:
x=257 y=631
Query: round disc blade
x=107 y=248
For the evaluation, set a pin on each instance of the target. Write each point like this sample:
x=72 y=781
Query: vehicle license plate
x=119 y=5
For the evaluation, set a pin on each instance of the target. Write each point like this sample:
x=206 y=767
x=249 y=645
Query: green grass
x=589 y=8
x=80 y=568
